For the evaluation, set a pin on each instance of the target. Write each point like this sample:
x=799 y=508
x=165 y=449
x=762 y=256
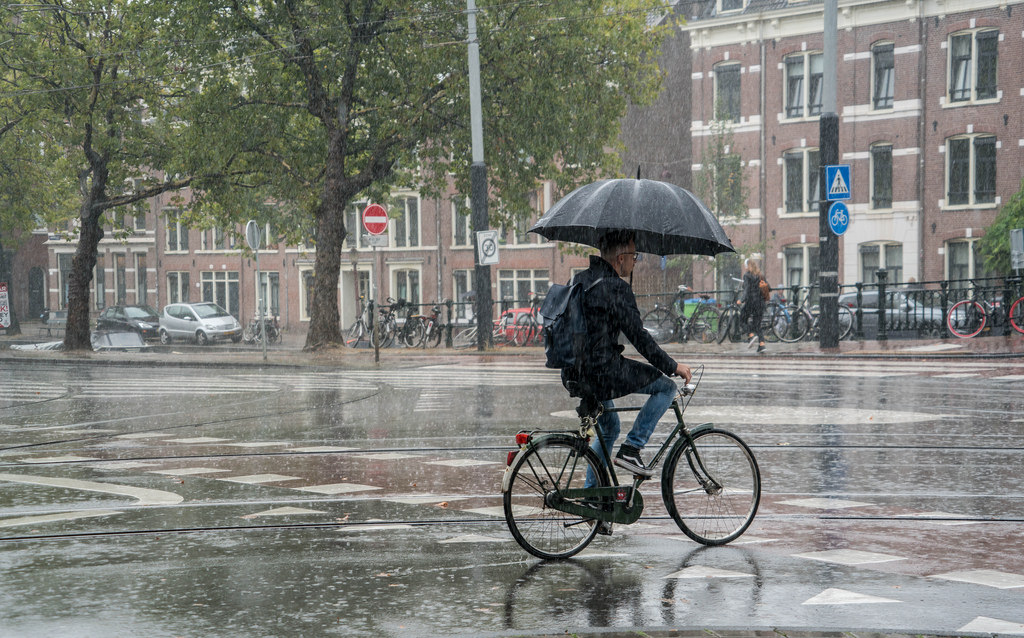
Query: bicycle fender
x=701 y=427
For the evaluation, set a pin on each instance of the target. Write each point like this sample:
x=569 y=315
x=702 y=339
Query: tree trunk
x=77 y=335
x=324 y=320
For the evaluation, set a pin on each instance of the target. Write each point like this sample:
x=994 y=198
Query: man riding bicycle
x=610 y=309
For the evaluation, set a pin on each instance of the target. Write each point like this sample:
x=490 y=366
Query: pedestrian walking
x=753 y=303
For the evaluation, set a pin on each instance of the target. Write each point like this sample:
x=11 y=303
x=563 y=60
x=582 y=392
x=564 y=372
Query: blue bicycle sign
x=838 y=218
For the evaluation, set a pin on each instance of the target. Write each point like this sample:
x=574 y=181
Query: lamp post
x=478 y=186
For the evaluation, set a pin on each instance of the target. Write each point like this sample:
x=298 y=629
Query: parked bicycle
x=528 y=325
x=255 y=331
x=360 y=328
x=970 y=317
x=710 y=484
x=802 y=321
x=730 y=327
x=431 y=328
x=670 y=323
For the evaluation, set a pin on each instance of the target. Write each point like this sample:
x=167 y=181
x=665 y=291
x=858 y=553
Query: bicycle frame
x=626 y=507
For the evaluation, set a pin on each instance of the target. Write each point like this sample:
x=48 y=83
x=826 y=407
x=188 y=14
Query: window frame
x=810 y=267
x=883 y=78
x=886 y=253
x=878 y=149
x=965 y=70
x=807 y=174
x=971 y=167
x=405 y=226
x=731 y=103
x=810 y=82
x=174 y=228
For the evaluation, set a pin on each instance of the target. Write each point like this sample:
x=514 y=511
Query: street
x=246 y=500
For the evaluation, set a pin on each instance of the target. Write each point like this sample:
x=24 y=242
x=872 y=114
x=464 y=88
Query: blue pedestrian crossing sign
x=837 y=180
x=838 y=217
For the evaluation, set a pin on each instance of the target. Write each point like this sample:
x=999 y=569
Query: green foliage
x=994 y=247
x=720 y=181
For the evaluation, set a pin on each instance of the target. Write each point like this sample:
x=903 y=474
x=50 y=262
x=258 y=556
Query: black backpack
x=564 y=325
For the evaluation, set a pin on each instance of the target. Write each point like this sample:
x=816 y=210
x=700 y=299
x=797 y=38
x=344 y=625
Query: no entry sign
x=375 y=219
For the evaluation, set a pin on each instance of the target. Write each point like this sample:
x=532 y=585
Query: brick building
x=929 y=96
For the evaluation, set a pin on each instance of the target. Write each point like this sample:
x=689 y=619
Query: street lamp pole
x=478 y=186
x=828 y=242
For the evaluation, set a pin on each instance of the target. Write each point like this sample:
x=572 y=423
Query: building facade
x=929 y=95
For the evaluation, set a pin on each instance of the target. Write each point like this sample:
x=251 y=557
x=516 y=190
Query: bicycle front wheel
x=1017 y=315
x=704 y=326
x=712 y=488
x=553 y=464
x=845 y=322
x=966 y=318
x=414 y=332
x=525 y=330
x=727 y=323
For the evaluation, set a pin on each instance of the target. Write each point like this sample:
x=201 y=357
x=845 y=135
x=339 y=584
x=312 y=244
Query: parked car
x=201 y=322
x=904 y=316
x=139 y=319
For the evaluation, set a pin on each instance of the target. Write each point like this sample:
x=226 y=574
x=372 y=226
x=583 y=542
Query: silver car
x=201 y=322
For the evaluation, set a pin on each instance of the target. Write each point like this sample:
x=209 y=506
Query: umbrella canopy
x=667 y=219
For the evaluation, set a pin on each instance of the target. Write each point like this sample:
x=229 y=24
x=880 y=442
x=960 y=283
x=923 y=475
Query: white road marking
x=50 y=518
x=254 y=479
x=987 y=577
x=701 y=572
x=144 y=496
x=337 y=488
x=849 y=557
x=833 y=596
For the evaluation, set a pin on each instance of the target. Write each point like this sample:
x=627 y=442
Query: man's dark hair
x=614 y=239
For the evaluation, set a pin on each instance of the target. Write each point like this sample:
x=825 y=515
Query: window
x=356 y=237
x=64 y=273
x=516 y=285
x=308 y=278
x=803 y=96
x=141 y=279
x=883 y=68
x=140 y=222
x=177 y=233
x=462 y=284
x=268 y=293
x=727 y=92
x=406 y=285
x=221 y=288
x=215 y=239
x=973 y=62
x=970 y=170
x=881 y=256
x=963 y=263
x=730 y=5
x=120 y=283
x=406 y=213
x=727 y=268
x=100 y=277
x=802 y=180
x=881 y=176
x=461 y=226
x=177 y=287
x=800 y=263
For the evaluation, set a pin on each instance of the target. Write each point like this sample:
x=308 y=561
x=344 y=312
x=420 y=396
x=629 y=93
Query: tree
x=98 y=82
x=324 y=103
x=720 y=181
x=995 y=245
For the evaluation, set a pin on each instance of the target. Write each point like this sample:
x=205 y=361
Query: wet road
x=240 y=501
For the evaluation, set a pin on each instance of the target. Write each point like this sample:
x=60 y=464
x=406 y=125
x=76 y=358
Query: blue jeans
x=662 y=390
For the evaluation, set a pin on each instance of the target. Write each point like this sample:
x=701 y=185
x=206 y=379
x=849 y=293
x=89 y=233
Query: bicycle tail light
x=522 y=438
x=511 y=457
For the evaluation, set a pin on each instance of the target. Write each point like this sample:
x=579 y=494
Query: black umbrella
x=667 y=219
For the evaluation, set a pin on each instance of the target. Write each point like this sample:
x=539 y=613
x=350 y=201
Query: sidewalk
x=290 y=351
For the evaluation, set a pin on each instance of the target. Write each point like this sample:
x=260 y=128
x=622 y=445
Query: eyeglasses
x=636 y=256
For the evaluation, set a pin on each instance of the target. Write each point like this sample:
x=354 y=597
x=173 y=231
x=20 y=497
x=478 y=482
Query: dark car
x=143 y=320
x=905 y=316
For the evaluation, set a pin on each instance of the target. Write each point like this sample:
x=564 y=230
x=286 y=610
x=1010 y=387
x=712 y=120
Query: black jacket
x=752 y=291
x=610 y=309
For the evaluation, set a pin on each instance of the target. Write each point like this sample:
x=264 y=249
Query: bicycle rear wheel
x=661 y=324
x=704 y=327
x=966 y=318
x=845 y=322
x=552 y=464
x=525 y=330
x=413 y=332
x=728 y=323
x=791 y=323
x=712 y=494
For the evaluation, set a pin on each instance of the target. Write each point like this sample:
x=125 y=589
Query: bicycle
x=666 y=324
x=527 y=328
x=254 y=332
x=710 y=484
x=803 y=320
x=969 y=317
x=433 y=328
x=361 y=326
x=730 y=327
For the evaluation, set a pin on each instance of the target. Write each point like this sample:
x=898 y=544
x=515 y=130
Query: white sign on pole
x=487 y=247
x=252 y=235
x=5 y=308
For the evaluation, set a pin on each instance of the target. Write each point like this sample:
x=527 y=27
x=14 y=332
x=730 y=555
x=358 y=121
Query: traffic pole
x=828 y=155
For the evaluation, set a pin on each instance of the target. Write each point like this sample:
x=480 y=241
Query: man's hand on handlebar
x=684 y=372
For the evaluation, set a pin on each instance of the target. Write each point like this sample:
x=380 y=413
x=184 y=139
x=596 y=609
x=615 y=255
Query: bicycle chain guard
x=616 y=504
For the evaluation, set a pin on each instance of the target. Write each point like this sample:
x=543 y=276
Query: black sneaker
x=628 y=458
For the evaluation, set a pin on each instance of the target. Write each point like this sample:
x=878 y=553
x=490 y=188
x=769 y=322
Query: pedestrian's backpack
x=766 y=290
x=564 y=325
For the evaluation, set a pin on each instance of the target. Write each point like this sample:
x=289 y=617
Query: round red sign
x=375 y=219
